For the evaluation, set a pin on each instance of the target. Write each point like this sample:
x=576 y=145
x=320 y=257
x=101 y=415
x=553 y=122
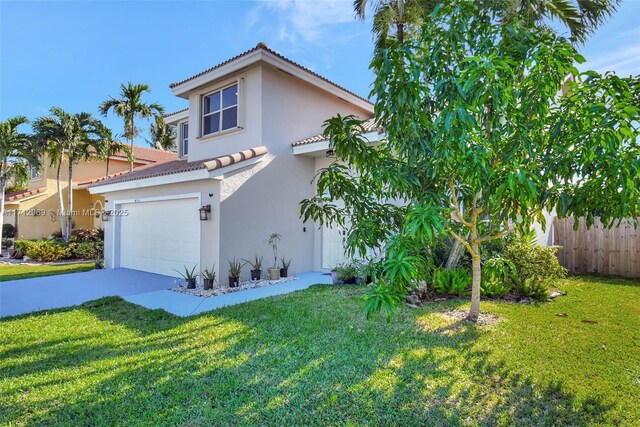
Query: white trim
x=174 y=118
x=116 y=205
x=315 y=147
x=196 y=175
x=182 y=90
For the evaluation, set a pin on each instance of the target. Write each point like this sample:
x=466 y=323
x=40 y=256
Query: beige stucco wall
x=38 y=216
x=209 y=230
x=250 y=117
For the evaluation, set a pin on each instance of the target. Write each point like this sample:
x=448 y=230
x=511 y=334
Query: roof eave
x=177 y=117
x=182 y=90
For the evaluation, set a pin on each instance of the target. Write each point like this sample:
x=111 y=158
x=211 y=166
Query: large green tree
x=478 y=140
x=69 y=138
x=130 y=106
x=17 y=155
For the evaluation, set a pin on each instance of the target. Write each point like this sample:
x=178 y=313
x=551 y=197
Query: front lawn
x=311 y=358
x=19 y=271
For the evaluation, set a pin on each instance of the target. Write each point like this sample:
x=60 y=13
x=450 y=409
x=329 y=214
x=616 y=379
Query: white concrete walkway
x=188 y=305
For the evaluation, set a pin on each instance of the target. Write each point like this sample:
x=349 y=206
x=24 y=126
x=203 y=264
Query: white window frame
x=184 y=141
x=221 y=110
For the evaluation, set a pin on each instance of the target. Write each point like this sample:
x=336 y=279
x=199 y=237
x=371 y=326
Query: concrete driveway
x=64 y=290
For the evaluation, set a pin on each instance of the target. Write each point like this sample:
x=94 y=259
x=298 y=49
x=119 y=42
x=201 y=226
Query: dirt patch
x=483 y=319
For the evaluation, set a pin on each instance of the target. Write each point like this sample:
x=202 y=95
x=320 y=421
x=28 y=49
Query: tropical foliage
x=67 y=138
x=130 y=106
x=17 y=154
x=477 y=141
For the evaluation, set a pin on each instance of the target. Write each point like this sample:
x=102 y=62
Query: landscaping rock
x=199 y=290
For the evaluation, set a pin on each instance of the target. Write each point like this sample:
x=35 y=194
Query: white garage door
x=160 y=236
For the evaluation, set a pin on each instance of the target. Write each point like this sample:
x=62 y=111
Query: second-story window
x=184 y=139
x=36 y=171
x=220 y=110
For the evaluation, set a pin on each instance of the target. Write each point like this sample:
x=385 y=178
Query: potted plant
x=347 y=273
x=359 y=270
x=334 y=275
x=256 y=267
x=235 y=267
x=98 y=264
x=284 y=271
x=274 y=272
x=189 y=275
x=209 y=278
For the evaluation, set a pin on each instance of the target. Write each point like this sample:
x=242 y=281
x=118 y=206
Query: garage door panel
x=160 y=236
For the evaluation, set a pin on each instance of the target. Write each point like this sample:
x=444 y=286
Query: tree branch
x=460 y=239
x=456 y=205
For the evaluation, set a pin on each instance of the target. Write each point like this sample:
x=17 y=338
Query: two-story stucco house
x=34 y=211
x=249 y=147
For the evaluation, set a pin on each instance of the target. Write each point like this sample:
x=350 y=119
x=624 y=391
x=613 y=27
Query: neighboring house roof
x=369 y=126
x=147 y=155
x=182 y=165
x=19 y=196
x=263 y=46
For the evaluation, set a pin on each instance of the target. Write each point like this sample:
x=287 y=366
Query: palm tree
x=109 y=146
x=129 y=107
x=17 y=154
x=163 y=136
x=71 y=138
x=581 y=17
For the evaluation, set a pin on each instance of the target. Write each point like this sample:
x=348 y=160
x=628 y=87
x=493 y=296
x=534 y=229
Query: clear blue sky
x=75 y=54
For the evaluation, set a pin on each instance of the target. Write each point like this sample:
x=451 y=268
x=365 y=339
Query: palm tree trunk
x=70 y=202
x=108 y=157
x=132 y=157
x=60 y=201
x=3 y=184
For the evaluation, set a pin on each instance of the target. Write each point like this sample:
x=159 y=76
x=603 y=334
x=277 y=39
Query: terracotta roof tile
x=182 y=165
x=369 y=126
x=176 y=112
x=263 y=46
x=19 y=195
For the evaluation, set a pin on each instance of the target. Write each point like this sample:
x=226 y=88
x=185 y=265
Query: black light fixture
x=105 y=215
x=329 y=153
x=204 y=212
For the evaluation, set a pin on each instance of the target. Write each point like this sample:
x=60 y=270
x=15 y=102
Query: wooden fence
x=614 y=251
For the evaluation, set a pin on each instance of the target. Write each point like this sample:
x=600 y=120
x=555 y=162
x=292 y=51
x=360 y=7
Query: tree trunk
x=132 y=156
x=3 y=184
x=70 y=202
x=454 y=255
x=475 y=287
x=400 y=32
x=107 y=174
x=60 y=201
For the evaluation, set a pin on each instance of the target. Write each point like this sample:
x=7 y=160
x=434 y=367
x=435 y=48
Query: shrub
x=453 y=282
x=88 y=235
x=347 y=272
x=47 y=250
x=534 y=261
x=23 y=245
x=534 y=287
x=87 y=250
x=498 y=276
x=8 y=231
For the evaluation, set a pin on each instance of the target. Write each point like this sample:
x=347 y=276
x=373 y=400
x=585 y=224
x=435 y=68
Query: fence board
x=598 y=249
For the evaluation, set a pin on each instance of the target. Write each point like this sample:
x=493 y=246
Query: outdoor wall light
x=329 y=153
x=105 y=216
x=204 y=212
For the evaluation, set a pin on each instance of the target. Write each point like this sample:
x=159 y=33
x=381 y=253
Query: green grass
x=15 y=272
x=310 y=358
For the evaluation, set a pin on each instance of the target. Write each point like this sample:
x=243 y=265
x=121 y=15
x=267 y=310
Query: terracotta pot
x=274 y=273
